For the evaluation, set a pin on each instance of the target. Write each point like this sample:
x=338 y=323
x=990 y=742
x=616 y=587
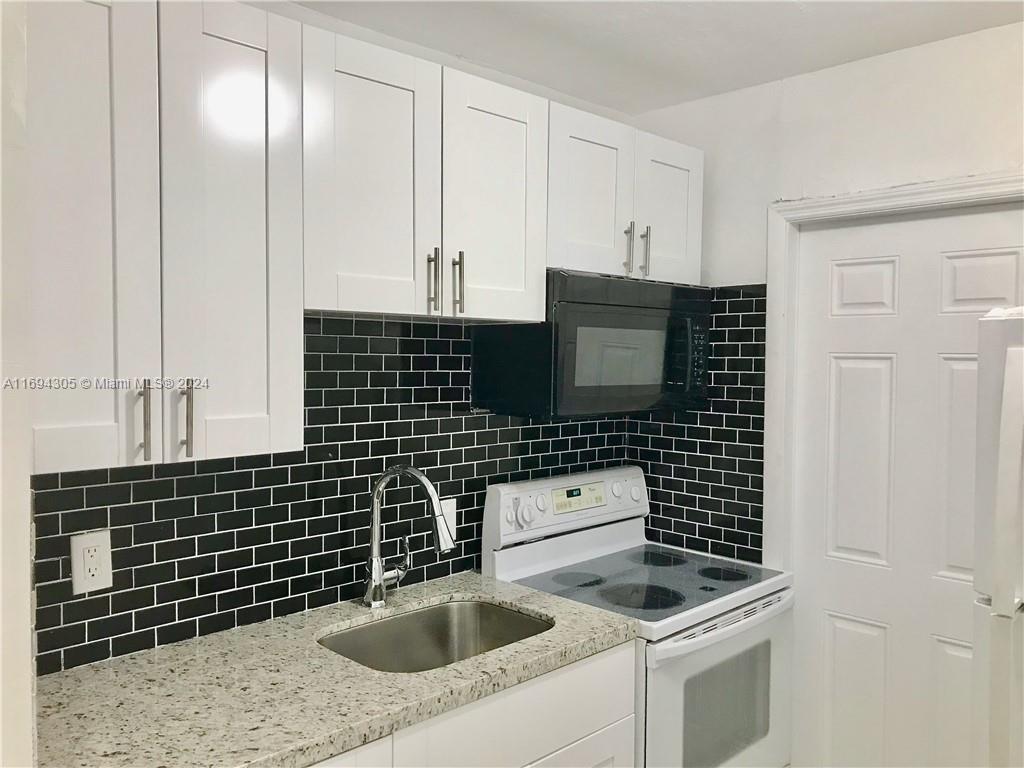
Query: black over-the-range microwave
x=609 y=345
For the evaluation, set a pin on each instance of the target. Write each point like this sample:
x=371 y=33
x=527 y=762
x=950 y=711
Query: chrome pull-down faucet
x=378 y=576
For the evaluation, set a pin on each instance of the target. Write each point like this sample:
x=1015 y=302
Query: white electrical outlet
x=90 y=562
x=448 y=508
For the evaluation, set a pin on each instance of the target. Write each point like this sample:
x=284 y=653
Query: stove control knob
x=634 y=493
x=524 y=515
x=527 y=514
x=542 y=503
x=616 y=489
x=510 y=516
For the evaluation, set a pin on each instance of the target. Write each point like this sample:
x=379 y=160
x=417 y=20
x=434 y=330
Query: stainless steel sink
x=432 y=637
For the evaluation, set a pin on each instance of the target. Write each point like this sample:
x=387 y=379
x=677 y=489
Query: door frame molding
x=785 y=219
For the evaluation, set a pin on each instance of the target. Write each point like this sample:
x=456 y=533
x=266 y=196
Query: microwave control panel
x=699 y=355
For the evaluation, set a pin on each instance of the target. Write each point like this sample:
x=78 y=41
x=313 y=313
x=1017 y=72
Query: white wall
x=945 y=109
x=317 y=18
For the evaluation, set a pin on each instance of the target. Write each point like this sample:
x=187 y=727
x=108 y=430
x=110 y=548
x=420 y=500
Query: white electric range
x=713 y=658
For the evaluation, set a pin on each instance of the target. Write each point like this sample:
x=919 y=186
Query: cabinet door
x=611 y=747
x=590 y=192
x=93 y=229
x=523 y=723
x=669 y=192
x=232 y=228
x=376 y=754
x=495 y=198
x=372 y=176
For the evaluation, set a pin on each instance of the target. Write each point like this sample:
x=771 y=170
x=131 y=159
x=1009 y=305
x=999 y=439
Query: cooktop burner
x=658 y=559
x=723 y=574
x=650 y=582
x=649 y=597
x=578 y=579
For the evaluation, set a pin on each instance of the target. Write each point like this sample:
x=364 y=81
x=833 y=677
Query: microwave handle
x=659 y=653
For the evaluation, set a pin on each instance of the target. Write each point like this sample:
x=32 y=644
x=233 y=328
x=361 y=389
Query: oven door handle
x=658 y=653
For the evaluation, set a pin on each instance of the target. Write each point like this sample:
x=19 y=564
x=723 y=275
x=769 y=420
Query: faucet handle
x=402 y=567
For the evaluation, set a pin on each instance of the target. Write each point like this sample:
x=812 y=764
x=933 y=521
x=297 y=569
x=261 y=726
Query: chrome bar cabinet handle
x=630 y=233
x=434 y=300
x=645 y=268
x=146 y=393
x=459 y=302
x=189 y=391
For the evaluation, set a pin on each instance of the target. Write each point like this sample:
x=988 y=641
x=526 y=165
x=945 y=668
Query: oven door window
x=619 y=358
x=725 y=702
x=727 y=707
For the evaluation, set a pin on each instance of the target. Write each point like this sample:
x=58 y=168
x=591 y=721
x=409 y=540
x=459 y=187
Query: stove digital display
x=578 y=498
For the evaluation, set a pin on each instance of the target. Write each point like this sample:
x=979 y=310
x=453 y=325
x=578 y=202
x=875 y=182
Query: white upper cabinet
x=495 y=198
x=232 y=229
x=669 y=202
x=93 y=229
x=590 y=187
x=622 y=202
x=373 y=195
x=372 y=176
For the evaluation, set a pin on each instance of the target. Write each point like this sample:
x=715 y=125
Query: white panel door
x=94 y=230
x=669 y=205
x=495 y=198
x=372 y=179
x=590 y=193
x=884 y=473
x=232 y=228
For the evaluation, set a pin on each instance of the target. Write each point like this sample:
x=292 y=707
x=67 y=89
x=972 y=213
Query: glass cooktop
x=649 y=582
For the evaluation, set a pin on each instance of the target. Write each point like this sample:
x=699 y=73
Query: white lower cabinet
x=580 y=715
x=376 y=754
x=611 y=747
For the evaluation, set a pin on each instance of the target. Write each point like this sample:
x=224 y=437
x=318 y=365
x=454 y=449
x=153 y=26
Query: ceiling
x=637 y=56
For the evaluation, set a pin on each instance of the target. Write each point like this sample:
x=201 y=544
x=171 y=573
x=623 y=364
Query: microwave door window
x=619 y=357
x=610 y=359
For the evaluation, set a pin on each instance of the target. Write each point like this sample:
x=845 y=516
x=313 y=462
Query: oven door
x=613 y=359
x=720 y=694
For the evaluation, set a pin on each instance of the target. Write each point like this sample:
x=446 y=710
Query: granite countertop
x=269 y=695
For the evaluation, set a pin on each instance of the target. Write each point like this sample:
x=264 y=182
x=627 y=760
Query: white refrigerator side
x=999 y=542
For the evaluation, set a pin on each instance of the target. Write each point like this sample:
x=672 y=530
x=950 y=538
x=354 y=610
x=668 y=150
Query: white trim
x=925 y=196
x=783 y=254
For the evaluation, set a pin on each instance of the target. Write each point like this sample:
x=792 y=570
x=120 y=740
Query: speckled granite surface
x=269 y=695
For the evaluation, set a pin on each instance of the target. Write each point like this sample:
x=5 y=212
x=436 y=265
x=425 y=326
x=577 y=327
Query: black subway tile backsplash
x=212 y=544
x=208 y=545
x=705 y=469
